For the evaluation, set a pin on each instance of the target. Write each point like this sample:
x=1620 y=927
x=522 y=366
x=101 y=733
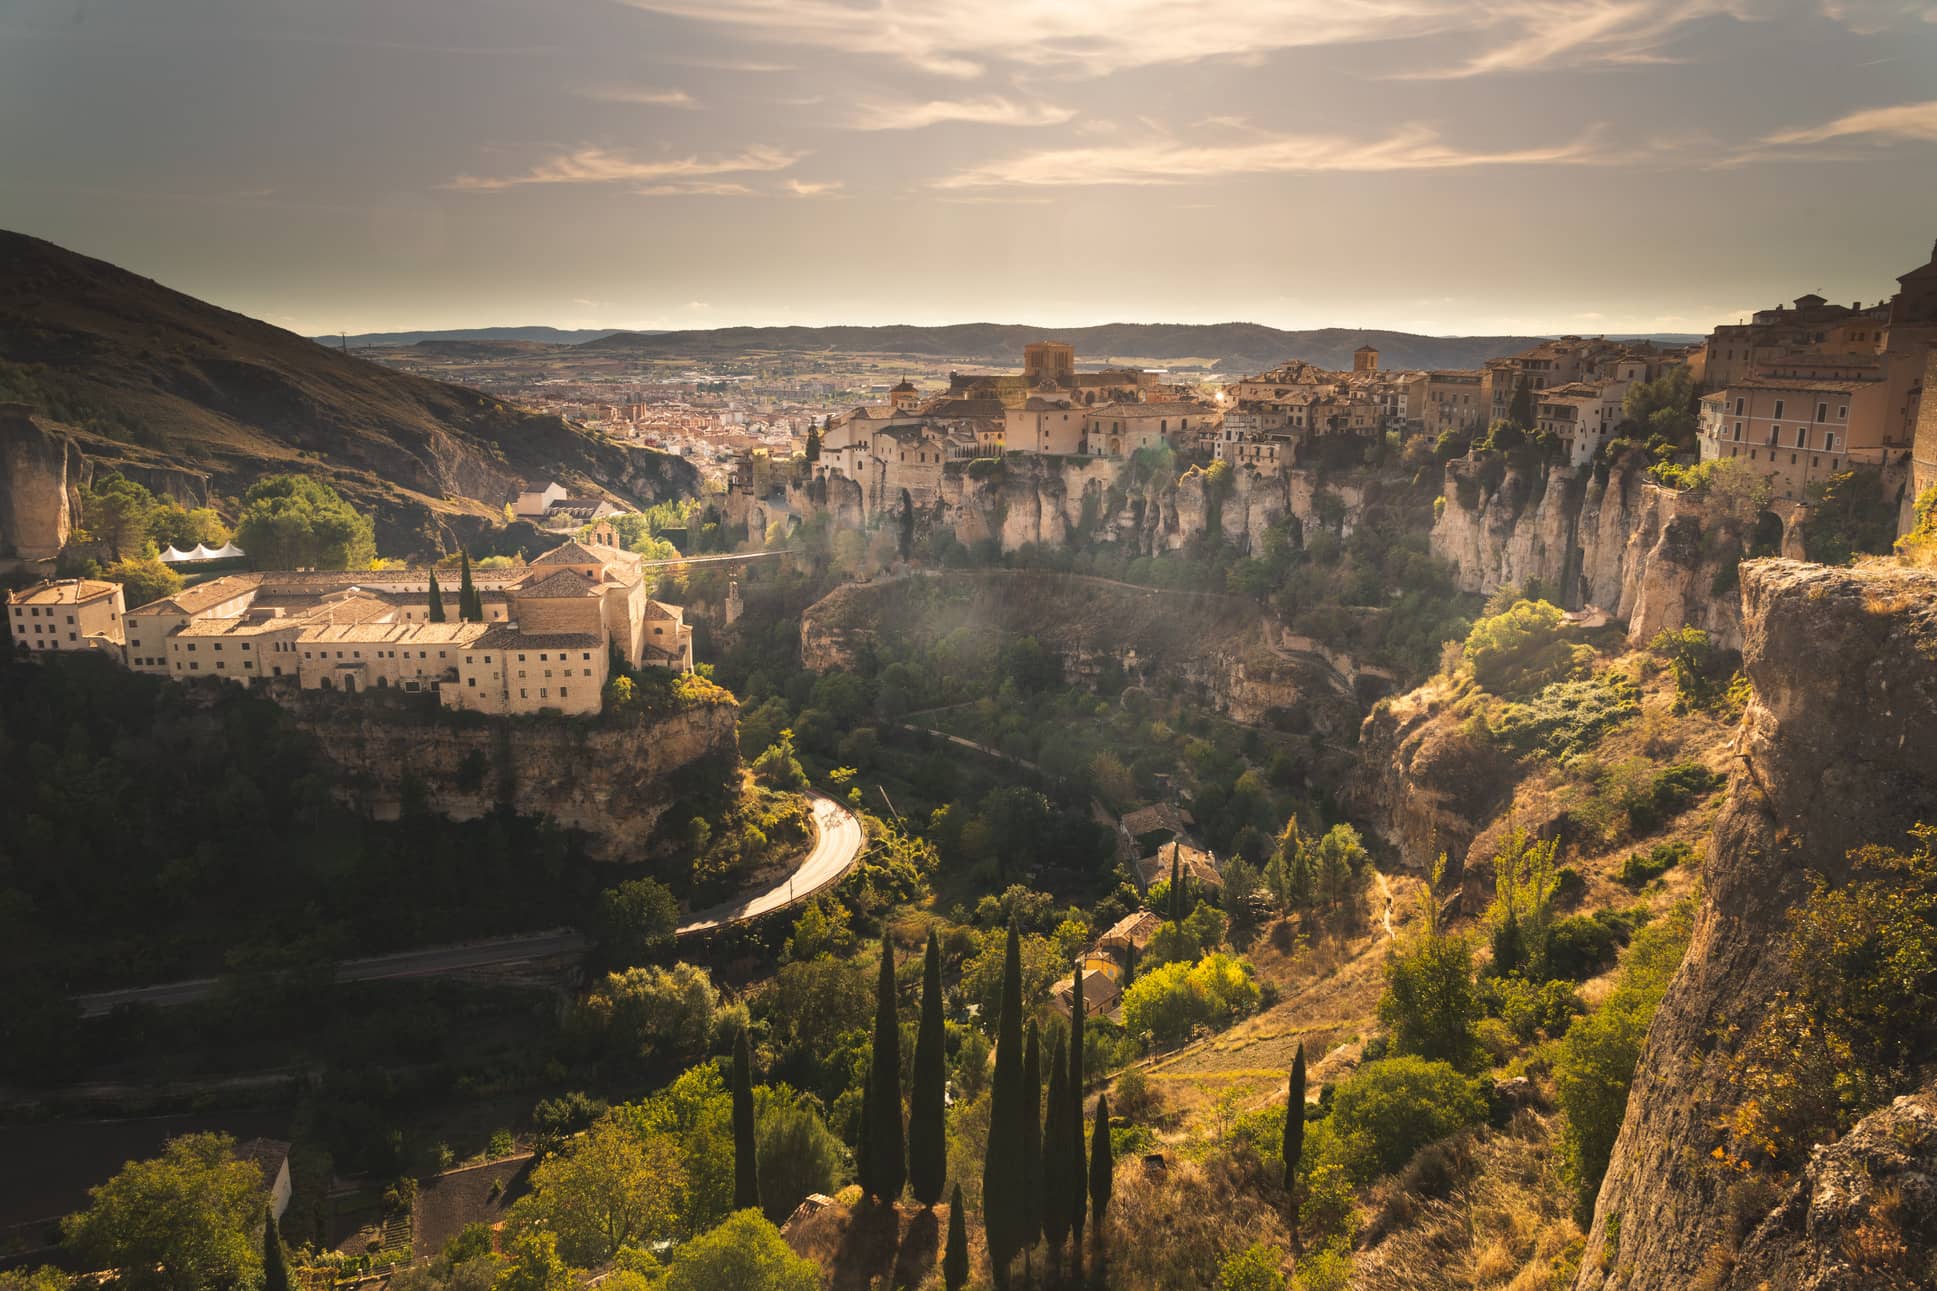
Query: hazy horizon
x=1535 y=167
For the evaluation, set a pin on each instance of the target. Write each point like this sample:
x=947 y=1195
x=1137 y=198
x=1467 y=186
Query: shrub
x=1582 y=945
x=1522 y=649
x=1641 y=869
x=1390 y=1109
x=1258 y=1267
x=1429 y=1004
x=1597 y=1058
x=1568 y=717
x=1170 y=1002
x=1672 y=791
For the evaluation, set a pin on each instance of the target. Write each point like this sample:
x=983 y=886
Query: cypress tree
x=1078 y=1166
x=469 y=607
x=927 y=1108
x=1176 y=887
x=275 y=1265
x=746 y=1174
x=1055 y=1151
x=1032 y=1138
x=863 y=1145
x=889 y=1168
x=436 y=600
x=1102 y=1166
x=1520 y=411
x=955 y=1264
x=1003 y=1215
x=1294 y=1145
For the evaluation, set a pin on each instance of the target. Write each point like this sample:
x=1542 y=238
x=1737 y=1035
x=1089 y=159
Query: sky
x=1439 y=166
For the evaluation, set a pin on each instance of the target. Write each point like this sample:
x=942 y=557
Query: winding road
x=838 y=840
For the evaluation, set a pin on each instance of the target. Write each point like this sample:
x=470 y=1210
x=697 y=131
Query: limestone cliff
x=1838 y=748
x=1649 y=556
x=44 y=466
x=611 y=778
x=1247 y=667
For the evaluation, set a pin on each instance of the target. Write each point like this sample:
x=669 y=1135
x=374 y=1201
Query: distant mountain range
x=172 y=389
x=1225 y=346
x=542 y=335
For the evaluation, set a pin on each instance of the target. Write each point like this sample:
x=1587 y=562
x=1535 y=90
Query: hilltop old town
x=1798 y=394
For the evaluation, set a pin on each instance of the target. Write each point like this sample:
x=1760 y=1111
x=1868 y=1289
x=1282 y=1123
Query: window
x=524 y=694
x=1775 y=435
x=1822 y=412
x=1842 y=412
x=1802 y=437
x=562 y=692
x=1778 y=407
x=1829 y=441
x=1738 y=407
x=472 y=682
x=1738 y=430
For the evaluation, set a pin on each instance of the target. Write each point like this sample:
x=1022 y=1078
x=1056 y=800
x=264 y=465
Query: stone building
x=547 y=640
x=68 y=614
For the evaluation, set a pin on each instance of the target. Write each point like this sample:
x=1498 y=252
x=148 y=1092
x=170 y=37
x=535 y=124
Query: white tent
x=174 y=557
x=202 y=552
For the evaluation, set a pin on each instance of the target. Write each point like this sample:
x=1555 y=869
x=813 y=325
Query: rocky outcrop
x=613 y=778
x=1863 y=1216
x=34 y=461
x=1422 y=783
x=1838 y=749
x=1650 y=556
x=1224 y=645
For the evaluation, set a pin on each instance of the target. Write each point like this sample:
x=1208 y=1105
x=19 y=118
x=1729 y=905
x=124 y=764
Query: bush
x=1674 y=790
x=1388 y=1110
x=1522 y=649
x=1568 y=718
x=1582 y=945
x=1640 y=869
x=1170 y=1002
x=1256 y=1268
x=1597 y=1058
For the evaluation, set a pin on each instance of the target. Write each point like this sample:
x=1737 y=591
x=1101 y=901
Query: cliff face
x=44 y=466
x=612 y=780
x=1248 y=669
x=1838 y=748
x=1649 y=556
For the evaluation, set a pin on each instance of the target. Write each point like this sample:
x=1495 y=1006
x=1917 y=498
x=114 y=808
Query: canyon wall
x=1247 y=667
x=44 y=467
x=1838 y=748
x=613 y=778
x=1650 y=557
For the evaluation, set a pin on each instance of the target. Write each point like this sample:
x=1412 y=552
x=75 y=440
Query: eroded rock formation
x=1838 y=749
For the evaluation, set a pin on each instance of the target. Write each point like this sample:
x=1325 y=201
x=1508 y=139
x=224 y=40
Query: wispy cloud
x=695 y=188
x=961 y=38
x=814 y=188
x=644 y=95
x=1916 y=121
x=1169 y=160
x=595 y=165
x=993 y=110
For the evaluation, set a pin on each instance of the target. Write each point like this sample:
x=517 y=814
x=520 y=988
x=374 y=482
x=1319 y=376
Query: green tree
x=1520 y=410
x=1288 y=874
x=813 y=442
x=470 y=607
x=186 y=528
x=745 y=1253
x=1430 y=1003
x=1294 y=1140
x=905 y=539
x=1102 y=1166
x=611 y=1188
x=275 y=1264
x=864 y=1136
x=889 y=1168
x=798 y=1153
x=120 y=513
x=535 y=1265
x=183 y=1221
x=1078 y=1162
x=779 y=766
x=1337 y=862
x=955 y=1257
x=1525 y=878
x=1390 y=1109
x=1031 y=1182
x=648 y=1012
x=927 y=1107
x=1056 y=1131
x=143 y=579
x=635 y=920
x=436 y=600
x=1004 y=1216
x=746 y=1174
x=299 y=522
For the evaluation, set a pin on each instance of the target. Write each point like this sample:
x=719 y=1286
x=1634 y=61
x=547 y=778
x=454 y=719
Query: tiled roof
x=566 y=584
x=64 y=591
x=202 y=596
x=506 y=636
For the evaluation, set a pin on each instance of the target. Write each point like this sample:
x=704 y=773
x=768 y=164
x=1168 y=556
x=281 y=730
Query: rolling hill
x=1229 y=346
x=127 y=371
x=541 y=335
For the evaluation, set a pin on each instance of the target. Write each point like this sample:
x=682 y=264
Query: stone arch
x=1766 y=538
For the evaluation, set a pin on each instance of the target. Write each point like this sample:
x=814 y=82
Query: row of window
x=1802 y=437
x=1822 y=410
x=33 y=612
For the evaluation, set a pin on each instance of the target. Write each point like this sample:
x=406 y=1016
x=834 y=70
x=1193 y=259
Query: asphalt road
x=837 y=844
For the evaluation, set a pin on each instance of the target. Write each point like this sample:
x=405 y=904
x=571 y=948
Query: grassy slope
x=202 y=388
